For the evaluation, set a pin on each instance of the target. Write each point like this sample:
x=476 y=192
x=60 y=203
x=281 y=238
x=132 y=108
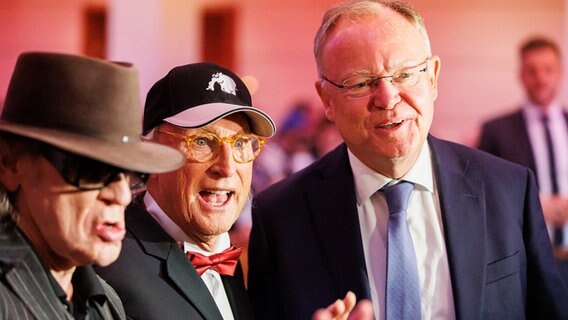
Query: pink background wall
x=476 y=39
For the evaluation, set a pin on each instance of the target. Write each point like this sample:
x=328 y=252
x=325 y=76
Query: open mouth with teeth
x=391 y=125
x=216 y=198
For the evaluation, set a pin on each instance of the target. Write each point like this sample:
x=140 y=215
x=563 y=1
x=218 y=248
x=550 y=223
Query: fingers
x=322 y=314
x=333 y=312
x=340 y=309
x=363 y=311
x=349 y=301
x=337 y=309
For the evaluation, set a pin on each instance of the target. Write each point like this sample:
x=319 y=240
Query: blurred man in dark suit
x=536 y=135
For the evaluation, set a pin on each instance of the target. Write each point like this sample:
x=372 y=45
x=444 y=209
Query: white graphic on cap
x=227 y=84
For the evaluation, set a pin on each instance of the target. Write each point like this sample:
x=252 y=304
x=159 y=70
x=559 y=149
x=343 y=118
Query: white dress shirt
x=211 y=278
x=559 y=135
x=426 y=229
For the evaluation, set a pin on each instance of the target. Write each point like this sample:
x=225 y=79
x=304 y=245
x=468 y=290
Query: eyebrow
x=394 y=69
x=208 y=129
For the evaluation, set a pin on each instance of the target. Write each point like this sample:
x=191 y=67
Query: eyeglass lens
x=205 y=146
x=361 y=86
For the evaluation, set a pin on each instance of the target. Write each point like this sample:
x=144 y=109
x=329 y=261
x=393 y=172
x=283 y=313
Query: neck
x=543 y=105
x=206 y=243
x=61 y=269
x=55 y=263
x=395 y=168
x=390 y=166
x=64 y=279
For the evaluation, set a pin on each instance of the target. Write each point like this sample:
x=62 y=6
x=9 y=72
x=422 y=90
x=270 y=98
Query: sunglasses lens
x=89 y=174
x=92 y=174
x=96 y=175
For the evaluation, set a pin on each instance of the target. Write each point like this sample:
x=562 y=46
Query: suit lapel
x=183 y=274
x=337 y=223
x=463 y=213
x=157 y=243
x=521 y=136
x=29 y=282
x=237 y=295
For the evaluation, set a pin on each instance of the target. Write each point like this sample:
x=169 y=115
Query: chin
x=218 y=228
x=107 y=256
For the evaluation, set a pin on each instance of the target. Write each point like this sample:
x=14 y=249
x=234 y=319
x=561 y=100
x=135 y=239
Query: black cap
x=195 y=95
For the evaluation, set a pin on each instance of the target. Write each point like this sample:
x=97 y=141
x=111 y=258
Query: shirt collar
x=87 y=284
x=535 y=111
x=368 y=181
x=86 y=287
x=173 y=230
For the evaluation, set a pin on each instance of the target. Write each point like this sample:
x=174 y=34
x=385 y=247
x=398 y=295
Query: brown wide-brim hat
x=87 y=106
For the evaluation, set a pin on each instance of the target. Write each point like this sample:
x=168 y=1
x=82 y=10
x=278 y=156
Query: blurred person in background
x=536 y=136
x=70 y=156
x=325 y=137
x=288 y=152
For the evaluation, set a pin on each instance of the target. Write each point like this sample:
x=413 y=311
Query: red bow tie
x=224 y=263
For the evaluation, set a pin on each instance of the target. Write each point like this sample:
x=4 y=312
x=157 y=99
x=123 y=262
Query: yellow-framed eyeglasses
x=204 y=146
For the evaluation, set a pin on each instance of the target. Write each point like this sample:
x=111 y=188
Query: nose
x=117 y=192
x=385 y=95
x=223 y=164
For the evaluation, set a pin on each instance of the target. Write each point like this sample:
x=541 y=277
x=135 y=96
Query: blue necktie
x=403 y=288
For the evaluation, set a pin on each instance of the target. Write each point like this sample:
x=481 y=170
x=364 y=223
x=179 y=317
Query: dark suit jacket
x=25 y=289
x=305 y=248
x=507 y=137
x=155 y=280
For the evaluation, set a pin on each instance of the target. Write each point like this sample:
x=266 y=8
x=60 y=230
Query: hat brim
x=205 y=114
x=138 y=156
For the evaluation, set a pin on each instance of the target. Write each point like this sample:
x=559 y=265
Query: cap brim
x=205 y=114
x=139 y=156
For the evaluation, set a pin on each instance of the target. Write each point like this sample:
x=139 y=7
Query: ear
x=436 y=65
x=10 y=166
x=326 y=100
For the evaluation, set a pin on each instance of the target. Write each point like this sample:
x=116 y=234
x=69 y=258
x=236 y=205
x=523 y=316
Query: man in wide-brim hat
x=70 y=157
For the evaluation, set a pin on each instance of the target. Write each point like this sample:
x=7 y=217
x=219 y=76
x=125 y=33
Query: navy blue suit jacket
x=306 y=251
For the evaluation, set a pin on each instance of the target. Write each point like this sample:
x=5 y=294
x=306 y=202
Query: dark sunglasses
x=88 y=174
